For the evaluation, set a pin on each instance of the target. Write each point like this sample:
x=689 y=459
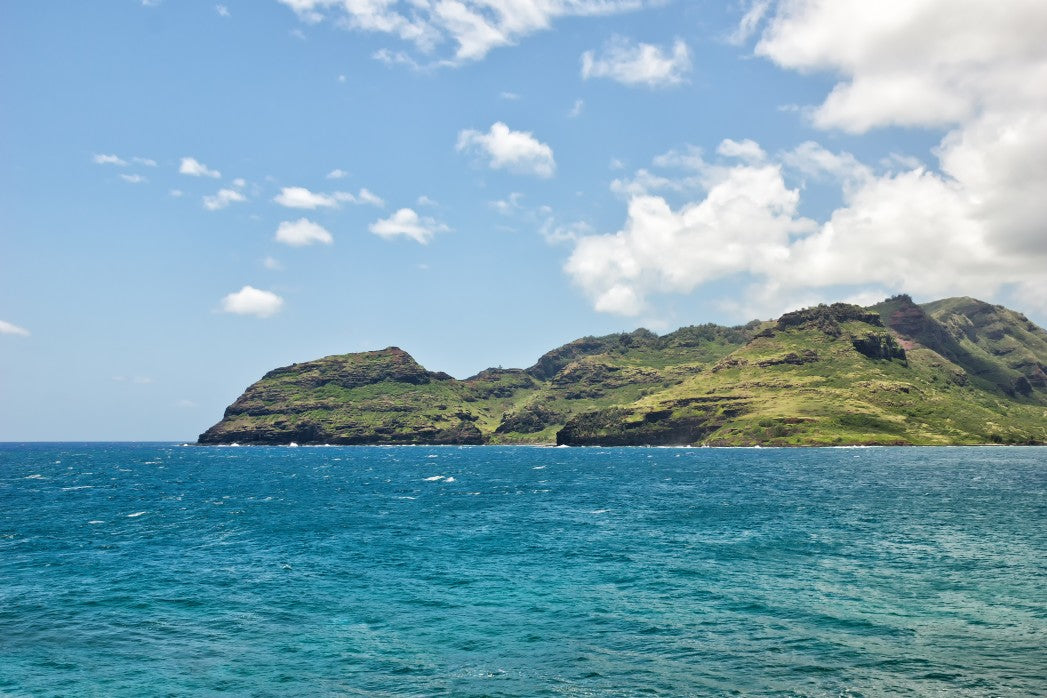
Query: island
x=954 y=371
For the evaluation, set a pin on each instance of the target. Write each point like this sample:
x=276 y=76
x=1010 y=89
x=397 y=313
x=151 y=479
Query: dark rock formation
x=878 y=346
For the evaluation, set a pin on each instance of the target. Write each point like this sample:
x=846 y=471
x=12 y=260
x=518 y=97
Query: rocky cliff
x=956 y=371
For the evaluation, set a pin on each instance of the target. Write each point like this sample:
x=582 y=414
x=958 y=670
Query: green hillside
x=956 y=371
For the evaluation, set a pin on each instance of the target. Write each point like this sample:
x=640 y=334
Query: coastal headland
x=954 y=371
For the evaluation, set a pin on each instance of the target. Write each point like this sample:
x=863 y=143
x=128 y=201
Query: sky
x=193 y=193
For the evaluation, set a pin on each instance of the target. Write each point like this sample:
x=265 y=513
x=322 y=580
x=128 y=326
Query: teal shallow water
x=154 y=569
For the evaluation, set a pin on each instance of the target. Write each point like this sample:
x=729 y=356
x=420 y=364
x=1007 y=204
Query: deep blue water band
x=162 y=570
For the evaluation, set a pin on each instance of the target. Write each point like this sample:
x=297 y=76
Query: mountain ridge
x=954 y=371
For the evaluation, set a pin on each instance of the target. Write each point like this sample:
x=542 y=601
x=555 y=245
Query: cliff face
x=953 y=371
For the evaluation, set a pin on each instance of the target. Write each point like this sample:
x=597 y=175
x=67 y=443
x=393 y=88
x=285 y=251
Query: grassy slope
x=824 y=376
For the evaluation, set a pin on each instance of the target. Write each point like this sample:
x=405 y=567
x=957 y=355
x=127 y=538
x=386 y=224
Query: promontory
x=954 y=371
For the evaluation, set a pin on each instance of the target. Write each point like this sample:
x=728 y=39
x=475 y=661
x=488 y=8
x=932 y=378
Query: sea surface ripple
x=155 y=569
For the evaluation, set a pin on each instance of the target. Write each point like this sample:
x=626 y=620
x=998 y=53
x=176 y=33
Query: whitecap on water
x=434 y=478
x=96 y=521
x=78 y=487
x=448 y=479
x=135 y=515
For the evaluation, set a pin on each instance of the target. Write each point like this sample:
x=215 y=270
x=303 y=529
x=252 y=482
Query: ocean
x=161 y=569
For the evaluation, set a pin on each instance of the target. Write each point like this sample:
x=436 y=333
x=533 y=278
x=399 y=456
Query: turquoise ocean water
x=154 y=569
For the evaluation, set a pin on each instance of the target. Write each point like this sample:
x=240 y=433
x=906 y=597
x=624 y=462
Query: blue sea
x=160 y=569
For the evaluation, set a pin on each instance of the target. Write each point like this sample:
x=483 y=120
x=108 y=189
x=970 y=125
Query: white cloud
x=744 y=224
x=302 y=232
x=749 y=22
x=409 y=224
x=8 y=328
x=239 y=182
x=474 y=26
x=924 y=63
x=747 y=150
x=252 y=301
x=517 y=151
x=337 y=174
x=148 y=162
x=366 y=196
x=300 y=197
x=392 y=58
x=223 y=198
x=176 y=193
x=222 y=10
x=509 y=96
x=195 y=168
x=133 y=178
x=576 y=110
x=897 y=230
x=637 y=64
x=972 y=226
x=272 y=263
x=975 y=68
x=424 y=200
x=102 y=159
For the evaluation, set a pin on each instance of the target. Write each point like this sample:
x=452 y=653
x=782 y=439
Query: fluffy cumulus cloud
x=252 y=301
x=638 y=64
x=300 y=197
x=406 y=222
x=195 y=168
x=302 y=232
x=223 y=198
x=968 y=222
x=473 y=27
x=503 y=148
x=743 y=224
x=9 y=328
x=922 y=63
x=897 y=230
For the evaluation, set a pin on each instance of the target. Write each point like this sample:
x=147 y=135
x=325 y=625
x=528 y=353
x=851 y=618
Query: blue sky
x=194 y=193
